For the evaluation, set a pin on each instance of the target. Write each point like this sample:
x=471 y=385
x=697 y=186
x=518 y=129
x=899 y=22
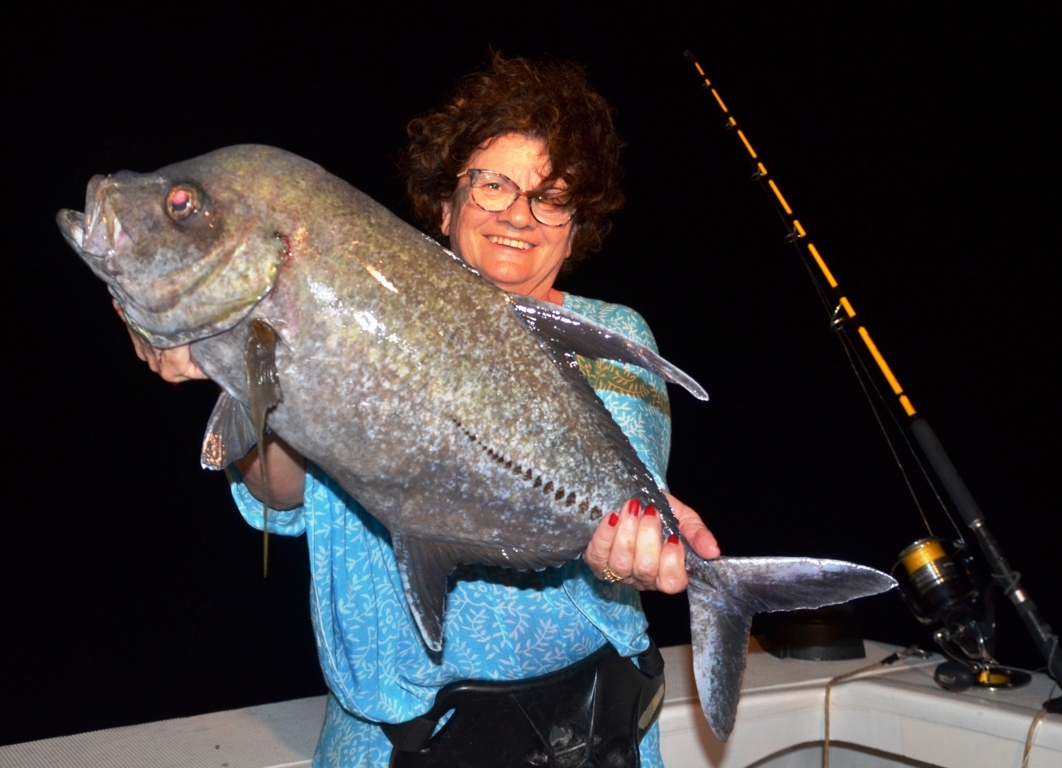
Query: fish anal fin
x=425 y=566
x=229 y=433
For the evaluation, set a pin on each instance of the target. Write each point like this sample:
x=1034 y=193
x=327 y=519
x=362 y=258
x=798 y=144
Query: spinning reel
x=942 y=589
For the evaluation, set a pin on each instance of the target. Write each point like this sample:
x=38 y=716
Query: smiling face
x=510 y=248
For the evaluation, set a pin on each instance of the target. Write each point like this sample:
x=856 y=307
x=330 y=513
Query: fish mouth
x=174 y=286
x=97 y=234
x=72 y=225
x=99 y=242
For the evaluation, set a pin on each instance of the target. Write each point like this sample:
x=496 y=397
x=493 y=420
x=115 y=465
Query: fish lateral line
x=569 y=497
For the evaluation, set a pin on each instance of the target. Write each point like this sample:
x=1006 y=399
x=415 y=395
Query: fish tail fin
x=726 y=593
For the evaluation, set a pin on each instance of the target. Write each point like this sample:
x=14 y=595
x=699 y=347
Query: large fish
x=452 y=411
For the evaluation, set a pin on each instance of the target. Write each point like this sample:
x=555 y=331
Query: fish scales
x=453 y=412
x=395 y=388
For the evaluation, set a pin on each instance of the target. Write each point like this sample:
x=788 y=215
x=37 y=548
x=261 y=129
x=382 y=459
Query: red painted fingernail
x=635 y=507
x=672 y=539
x=650 y=510
x=613 y=518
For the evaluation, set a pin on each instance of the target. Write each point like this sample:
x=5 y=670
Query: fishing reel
x=941 y=587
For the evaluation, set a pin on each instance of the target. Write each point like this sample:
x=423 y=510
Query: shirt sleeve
x=285 y=522
x=636 y=398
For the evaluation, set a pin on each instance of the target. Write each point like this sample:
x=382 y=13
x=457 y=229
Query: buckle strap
x=597 y=709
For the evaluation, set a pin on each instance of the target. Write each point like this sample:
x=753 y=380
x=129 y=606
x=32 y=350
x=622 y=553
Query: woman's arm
x=286 y=470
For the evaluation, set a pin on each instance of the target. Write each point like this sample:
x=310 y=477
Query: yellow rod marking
x=778 y=194
x=748 y=146
x=896 y=388
x=822 y=265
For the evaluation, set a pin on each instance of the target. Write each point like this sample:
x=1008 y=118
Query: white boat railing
x=891 y=717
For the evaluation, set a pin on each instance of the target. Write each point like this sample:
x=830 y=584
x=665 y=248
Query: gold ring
x=611 y=576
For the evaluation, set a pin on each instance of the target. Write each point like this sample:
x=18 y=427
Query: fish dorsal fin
x=426 y=565
x=563 y=334
x=572 y=332
x=263 y=394
x=229 y=433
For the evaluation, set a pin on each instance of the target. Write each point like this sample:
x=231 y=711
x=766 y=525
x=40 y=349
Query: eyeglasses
x=495 y=192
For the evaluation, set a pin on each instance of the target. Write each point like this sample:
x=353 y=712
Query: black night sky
x=918 y=152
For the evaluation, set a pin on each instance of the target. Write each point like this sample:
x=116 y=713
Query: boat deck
x=892 y=716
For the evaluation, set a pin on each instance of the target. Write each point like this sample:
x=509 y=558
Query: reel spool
x=940 y=586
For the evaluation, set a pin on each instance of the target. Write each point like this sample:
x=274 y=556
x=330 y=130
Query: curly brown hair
x=551 y=101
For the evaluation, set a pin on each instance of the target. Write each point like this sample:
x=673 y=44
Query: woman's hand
x=629 y=545
x=173 y=365
x=287 y=469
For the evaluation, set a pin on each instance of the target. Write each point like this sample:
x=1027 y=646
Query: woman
x=519 y=170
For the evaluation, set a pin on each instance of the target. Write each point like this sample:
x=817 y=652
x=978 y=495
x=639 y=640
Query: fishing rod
x=940 y=588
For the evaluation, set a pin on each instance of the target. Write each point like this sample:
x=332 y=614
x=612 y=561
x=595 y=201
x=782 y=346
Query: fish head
x=187 y=251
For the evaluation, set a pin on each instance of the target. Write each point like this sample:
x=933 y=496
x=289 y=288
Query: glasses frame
x=531 y=199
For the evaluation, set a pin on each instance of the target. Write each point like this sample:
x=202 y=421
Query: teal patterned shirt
x=499 y=624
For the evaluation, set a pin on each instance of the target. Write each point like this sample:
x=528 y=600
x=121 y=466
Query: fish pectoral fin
x=229 y=433
x=725 y=594
x=263 y=394
x=263 y=382
x=568 y=331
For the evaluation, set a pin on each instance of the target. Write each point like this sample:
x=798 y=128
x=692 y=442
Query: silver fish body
x=452 y=411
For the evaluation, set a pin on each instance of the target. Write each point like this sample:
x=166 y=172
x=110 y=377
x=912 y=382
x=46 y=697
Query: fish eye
x=184 y=201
